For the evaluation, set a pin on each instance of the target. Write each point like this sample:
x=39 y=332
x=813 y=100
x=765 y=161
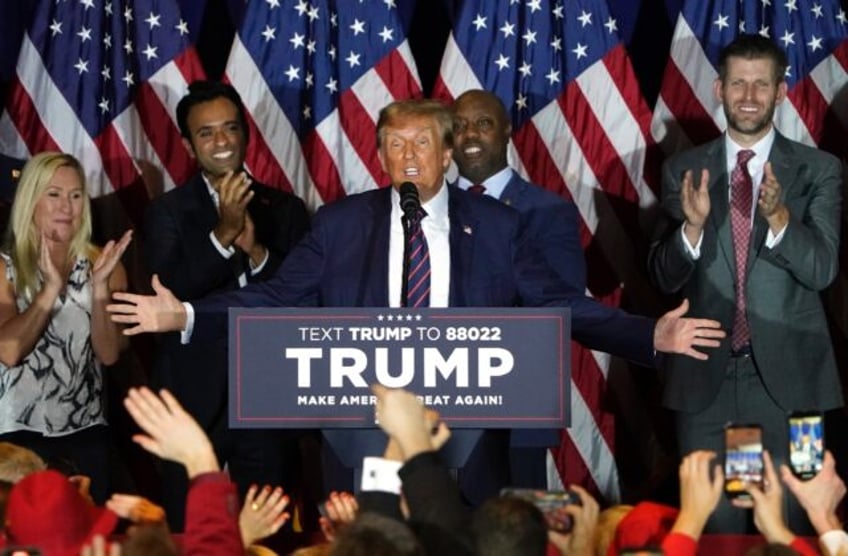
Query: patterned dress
x=57 y=389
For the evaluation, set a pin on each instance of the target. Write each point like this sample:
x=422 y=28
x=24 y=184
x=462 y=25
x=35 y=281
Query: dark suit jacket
x=553 y=226
x=343 y=262
x=178 y=248
x=789 y=335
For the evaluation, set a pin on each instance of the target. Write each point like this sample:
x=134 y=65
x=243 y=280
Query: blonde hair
x=417 y=108
x=23 y=239
x=16 y=462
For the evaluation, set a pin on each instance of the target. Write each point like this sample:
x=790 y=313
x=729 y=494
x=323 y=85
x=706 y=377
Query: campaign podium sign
x=479 y=367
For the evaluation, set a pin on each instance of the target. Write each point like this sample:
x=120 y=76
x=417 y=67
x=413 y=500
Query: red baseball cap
x=646 y=524
x=47 y=511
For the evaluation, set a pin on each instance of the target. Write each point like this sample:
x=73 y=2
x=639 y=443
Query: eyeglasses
x=482 y=125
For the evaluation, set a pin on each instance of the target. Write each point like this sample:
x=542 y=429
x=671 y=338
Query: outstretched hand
x=675 y=333
x=162 y=312
x=172 y=433
x=262 y=514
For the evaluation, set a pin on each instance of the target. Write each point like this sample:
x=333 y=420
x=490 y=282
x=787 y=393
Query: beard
x=750 y=127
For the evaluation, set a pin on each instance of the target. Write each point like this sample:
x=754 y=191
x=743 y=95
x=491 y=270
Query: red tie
x=741 y=199
x=478 y=189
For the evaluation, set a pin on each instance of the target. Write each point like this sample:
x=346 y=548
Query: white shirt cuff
x=185 y=334
x=381 y=475
x=773 y=239
x=225 y=252
x=693 y=250
x=834 y=540
x=254 y=270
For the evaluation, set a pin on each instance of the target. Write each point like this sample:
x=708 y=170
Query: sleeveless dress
x=57 y=389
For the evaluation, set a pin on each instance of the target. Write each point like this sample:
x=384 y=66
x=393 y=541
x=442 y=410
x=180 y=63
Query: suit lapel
x=719 y=217
x=463 y=224
x=374 y=284
x=514 y=190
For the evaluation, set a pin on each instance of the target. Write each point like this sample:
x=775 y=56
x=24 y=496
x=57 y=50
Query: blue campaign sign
x=479 y=367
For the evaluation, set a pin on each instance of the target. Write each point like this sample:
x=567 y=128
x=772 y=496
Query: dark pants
x=87 y=452
x=743 y=400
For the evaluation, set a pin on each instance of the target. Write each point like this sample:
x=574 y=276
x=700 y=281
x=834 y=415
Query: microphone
x=409 y=201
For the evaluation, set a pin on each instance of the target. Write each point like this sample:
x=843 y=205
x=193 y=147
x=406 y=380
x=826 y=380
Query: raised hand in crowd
x=263 y=513
x=699 y=494
x=819 y=496
x=404 y=419
x=341 y=509
x=767 y=504
x=172 y=433
x=137 y=509
x=99 y=547
x=580 y=541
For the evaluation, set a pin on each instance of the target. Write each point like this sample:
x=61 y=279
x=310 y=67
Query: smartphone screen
x=743 y=458
x=548 y=502
x=806 y=444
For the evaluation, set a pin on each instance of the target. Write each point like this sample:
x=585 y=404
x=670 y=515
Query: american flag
x=580 y=129
x=815 y=37
x=314 y=76
x=100 y=79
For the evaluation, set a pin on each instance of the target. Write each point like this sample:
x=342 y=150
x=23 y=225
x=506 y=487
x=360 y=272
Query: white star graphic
x=817 y=11
x=764 y=31
x=104 y=105
x=387 y=34
x=302 y=7
x=741 y=25
x=557 y=11
x=308 y=80
x=479 y=22
x=721 y=22
x=182 y=27
x=556 y=44
x=107 y=7
x=128 y=79
x=841 y=18
x=815 y=43
x=791 y=6
x=106 y=73
x=502 y=62
x=87 y=3
x=390 y=4
x=611 y=25
x=84 y=34
x=580 y=50
x=788 y=38
x=150 y=52
x=332 y=52
x=55 y=28
x=525 y=69
x=313 y=13
x=153 y=20
x=552 y=76
x=269 y=33
x=352 y=59
x=273 y=4
x=128 y=14
x=521 y=101
x=357 y=27
x=766 y=3
x=332 y=85
x=311 y=47
x=107 y=41
x=292 y=73
x=334 y=20
x=507 y=29
x=297 y=40
x=529 y=37
x=82 y=66
x=585 y=18
x=534 y=5
x=128 y=46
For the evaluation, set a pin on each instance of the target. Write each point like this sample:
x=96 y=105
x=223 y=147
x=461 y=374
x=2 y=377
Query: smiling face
x=749 y=93
x=217 y=138
x=58 y=211
x=412 y=149
x=481 y=133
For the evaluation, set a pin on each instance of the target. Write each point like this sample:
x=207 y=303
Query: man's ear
x=447 y=157
x=188 y=147
x=782 y=89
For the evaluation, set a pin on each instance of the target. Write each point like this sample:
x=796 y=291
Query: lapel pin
x=467 y=230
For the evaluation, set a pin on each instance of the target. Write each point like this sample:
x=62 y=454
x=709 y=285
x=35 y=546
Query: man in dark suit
x=481 y=135
x=479 y=257
x=10 y=173
x=217 y=233
x=779 y=357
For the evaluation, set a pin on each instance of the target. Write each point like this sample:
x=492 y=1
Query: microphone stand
x=404 y=285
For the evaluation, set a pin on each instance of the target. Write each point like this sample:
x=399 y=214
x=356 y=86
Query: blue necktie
x=418 y=276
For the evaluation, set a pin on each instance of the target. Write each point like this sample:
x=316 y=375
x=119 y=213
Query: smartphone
x=806 y=443
x=743 y=459
x=548 y=502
